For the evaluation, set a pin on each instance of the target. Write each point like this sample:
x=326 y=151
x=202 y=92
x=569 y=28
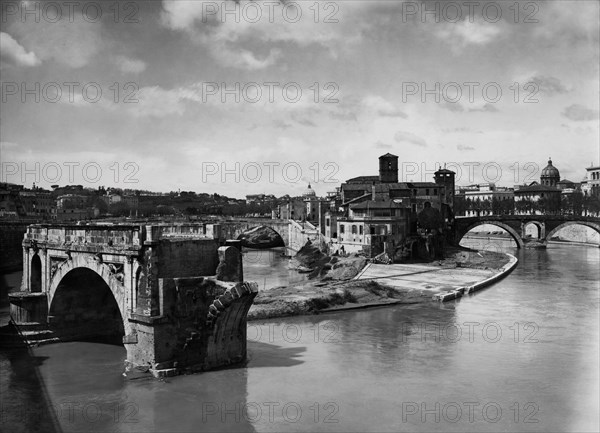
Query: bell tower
x=388 y=168
x=445 y=178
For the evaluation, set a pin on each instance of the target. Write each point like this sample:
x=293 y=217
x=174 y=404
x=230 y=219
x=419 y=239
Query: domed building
x=314 y=206
x=309 y=192
x=550 y=175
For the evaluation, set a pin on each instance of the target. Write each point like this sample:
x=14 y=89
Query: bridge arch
x=261 y=236
x=512 y=232
x=98 y=274
x=591 y=225
x=540 y=226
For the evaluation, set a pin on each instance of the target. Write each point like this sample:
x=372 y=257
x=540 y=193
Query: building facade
x=376 y=214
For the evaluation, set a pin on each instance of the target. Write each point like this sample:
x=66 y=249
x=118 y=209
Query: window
x=342 y=228
x=360 y=230
x=434 y=191
x=327 y=222
x=427 y=191
x=353 y=229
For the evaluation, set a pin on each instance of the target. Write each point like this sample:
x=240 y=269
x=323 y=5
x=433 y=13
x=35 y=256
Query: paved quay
x=432 y=279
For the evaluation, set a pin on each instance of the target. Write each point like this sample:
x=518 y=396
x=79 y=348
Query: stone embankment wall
x=458 y=292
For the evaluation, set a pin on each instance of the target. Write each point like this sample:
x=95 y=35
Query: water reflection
x=269 y=268
x=26 y=406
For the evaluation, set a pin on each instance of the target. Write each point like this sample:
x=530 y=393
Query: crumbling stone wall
x=203 y=325
x=187 y=258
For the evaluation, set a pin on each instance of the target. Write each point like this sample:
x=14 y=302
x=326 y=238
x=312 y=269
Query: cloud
x=306 y=122
x=158 y=102
x=487 y=108
x=575 y=22
x=403 y=136
x=8 y=145
x=242 y=58
x=14 y=52
x=579 y=113
x=127 y=65
x=548 y=85
x=464 y=33
x=224 y=26
x=382 y=107
x=460 y=129
x=382 y=145
x=280 y=124
x=452 y=106
x=464 y=148
x=344 y=115
x=74 y=44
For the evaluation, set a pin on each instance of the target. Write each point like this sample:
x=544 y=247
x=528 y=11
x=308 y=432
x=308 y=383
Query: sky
x=265 y=97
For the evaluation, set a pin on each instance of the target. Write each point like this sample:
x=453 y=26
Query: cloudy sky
x=250 y=97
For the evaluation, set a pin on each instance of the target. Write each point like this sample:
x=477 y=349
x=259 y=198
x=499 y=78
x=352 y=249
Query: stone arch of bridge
x=102 y=270
x=539 y=225
x=591 y=225
x=511 y=231
x=278 y=240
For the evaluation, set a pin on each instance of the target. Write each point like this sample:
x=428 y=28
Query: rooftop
x=371 y=204
x=536 y=188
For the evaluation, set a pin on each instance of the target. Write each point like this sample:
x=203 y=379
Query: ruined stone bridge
x=516 y=225
x=173 y=294
x=292 y=234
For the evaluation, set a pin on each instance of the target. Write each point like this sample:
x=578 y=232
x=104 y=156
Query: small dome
x=550 y=170
x=309 y=192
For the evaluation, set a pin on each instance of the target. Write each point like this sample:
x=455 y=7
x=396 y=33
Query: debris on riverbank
x=326 y=268
x=333 y=283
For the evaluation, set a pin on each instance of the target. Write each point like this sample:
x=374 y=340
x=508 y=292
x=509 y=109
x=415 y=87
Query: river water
x=521 y=355
x=269 y=268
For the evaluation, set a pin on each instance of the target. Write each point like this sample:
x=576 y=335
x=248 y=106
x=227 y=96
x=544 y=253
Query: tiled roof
x=365 y=179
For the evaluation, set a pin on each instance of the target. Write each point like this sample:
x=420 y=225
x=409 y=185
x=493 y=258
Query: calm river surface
x=521 y=355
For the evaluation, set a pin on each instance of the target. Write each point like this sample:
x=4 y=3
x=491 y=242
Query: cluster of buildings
x=68 y=203
x=369 y=214
x=377 y=213
x=550 y=195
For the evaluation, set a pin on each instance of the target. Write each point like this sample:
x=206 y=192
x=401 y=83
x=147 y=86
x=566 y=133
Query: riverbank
x=342 y=283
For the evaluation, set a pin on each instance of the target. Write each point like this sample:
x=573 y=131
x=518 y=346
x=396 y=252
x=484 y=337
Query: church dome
x=309 y=192
x=550 y=170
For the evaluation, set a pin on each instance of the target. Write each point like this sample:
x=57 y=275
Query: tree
x=120 y=208
x=460 y=205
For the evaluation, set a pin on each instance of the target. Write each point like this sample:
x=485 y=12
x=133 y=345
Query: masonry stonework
x=154 y=287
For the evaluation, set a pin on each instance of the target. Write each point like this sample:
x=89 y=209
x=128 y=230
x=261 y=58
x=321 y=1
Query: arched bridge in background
x=516 y=225
x=294 y=234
